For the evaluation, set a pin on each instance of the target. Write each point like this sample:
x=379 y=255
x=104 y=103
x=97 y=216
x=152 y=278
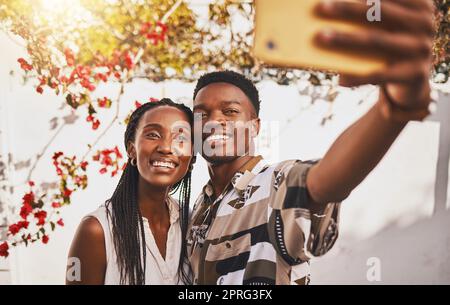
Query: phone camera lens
x=270 y=45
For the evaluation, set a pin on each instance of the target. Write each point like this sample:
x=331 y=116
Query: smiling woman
x=137 y=236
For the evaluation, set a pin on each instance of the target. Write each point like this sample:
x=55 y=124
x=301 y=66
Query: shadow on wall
x=417 y=254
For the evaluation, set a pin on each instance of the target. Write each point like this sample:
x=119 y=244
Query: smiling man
x=256 y=223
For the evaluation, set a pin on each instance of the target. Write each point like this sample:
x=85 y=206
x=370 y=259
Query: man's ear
x=191 y=164
x=256 y=125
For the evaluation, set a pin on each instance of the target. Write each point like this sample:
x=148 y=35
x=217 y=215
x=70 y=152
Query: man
x=256 y=223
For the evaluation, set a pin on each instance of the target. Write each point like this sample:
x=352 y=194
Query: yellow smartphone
x=284 y=31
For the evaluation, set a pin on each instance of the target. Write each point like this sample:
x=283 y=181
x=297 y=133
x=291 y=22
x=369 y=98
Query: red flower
x=14 y=229
x=103 y=103
x=60 y=222
x=39 y=90
x=145 y=27
x=137 y=104
x=25 y=65
x=56 y=205
x=83 y=165
x=30 y=183
x=67 y=193
x=162 y=26
x=129 y=63
x=57 y=155
x=95 y=124
x=107 y=160
x=25 y=210
x=103 y=170
x=23 y=224
x=45 y=239
x=101 y=76
x=153 y=100
x=155 y=37
x=87 y=84
x=41 y=215
x=117 y=152
x=28 y=198
x=4 y=249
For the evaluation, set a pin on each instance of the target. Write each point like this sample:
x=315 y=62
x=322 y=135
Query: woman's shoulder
x=96 y=221
x=90 y=227
x=101 y=212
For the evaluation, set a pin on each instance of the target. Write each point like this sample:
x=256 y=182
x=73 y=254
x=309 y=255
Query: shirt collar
x=174 y=211
x=242 y=177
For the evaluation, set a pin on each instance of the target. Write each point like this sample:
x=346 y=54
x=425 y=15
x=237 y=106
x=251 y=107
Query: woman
x=138 y=236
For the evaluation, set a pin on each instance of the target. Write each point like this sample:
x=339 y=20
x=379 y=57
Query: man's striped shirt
x=260 y=229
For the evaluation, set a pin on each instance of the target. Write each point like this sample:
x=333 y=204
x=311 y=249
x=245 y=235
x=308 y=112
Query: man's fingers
x=424 y=5
x=377 y=42
x=394 y=17
x=403 y=73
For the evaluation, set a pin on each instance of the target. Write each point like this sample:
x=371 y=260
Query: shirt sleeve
x=297 y=233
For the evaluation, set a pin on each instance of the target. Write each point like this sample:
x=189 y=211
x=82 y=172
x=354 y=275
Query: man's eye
x=182 y=138
x=231 y=111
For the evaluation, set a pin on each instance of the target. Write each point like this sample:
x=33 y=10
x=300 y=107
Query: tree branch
x=43 y=151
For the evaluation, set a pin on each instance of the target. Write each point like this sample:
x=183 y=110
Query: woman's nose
x=165 y=146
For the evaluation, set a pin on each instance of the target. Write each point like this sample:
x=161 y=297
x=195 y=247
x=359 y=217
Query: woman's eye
x=202 y=114
x=152 y=135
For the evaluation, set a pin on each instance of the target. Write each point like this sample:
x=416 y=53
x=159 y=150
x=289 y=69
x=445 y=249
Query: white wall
x=389 y=216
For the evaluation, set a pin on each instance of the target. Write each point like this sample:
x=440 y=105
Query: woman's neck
x=152 y=202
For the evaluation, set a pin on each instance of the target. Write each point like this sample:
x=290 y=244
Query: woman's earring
x=133 y=162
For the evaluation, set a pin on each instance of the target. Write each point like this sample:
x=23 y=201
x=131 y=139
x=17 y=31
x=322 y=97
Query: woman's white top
x=159 y=271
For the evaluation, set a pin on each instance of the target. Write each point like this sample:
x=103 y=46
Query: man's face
x=228 y=122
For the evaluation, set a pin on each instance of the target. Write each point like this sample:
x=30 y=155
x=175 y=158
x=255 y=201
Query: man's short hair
x=233 y=78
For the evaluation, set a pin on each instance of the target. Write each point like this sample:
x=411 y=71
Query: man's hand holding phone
x=403 y=36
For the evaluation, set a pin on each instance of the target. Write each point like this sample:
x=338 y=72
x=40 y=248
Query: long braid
x=125 y=214
x=184 y=188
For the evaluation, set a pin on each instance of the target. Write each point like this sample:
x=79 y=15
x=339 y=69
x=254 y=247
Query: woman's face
x=162 y=146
